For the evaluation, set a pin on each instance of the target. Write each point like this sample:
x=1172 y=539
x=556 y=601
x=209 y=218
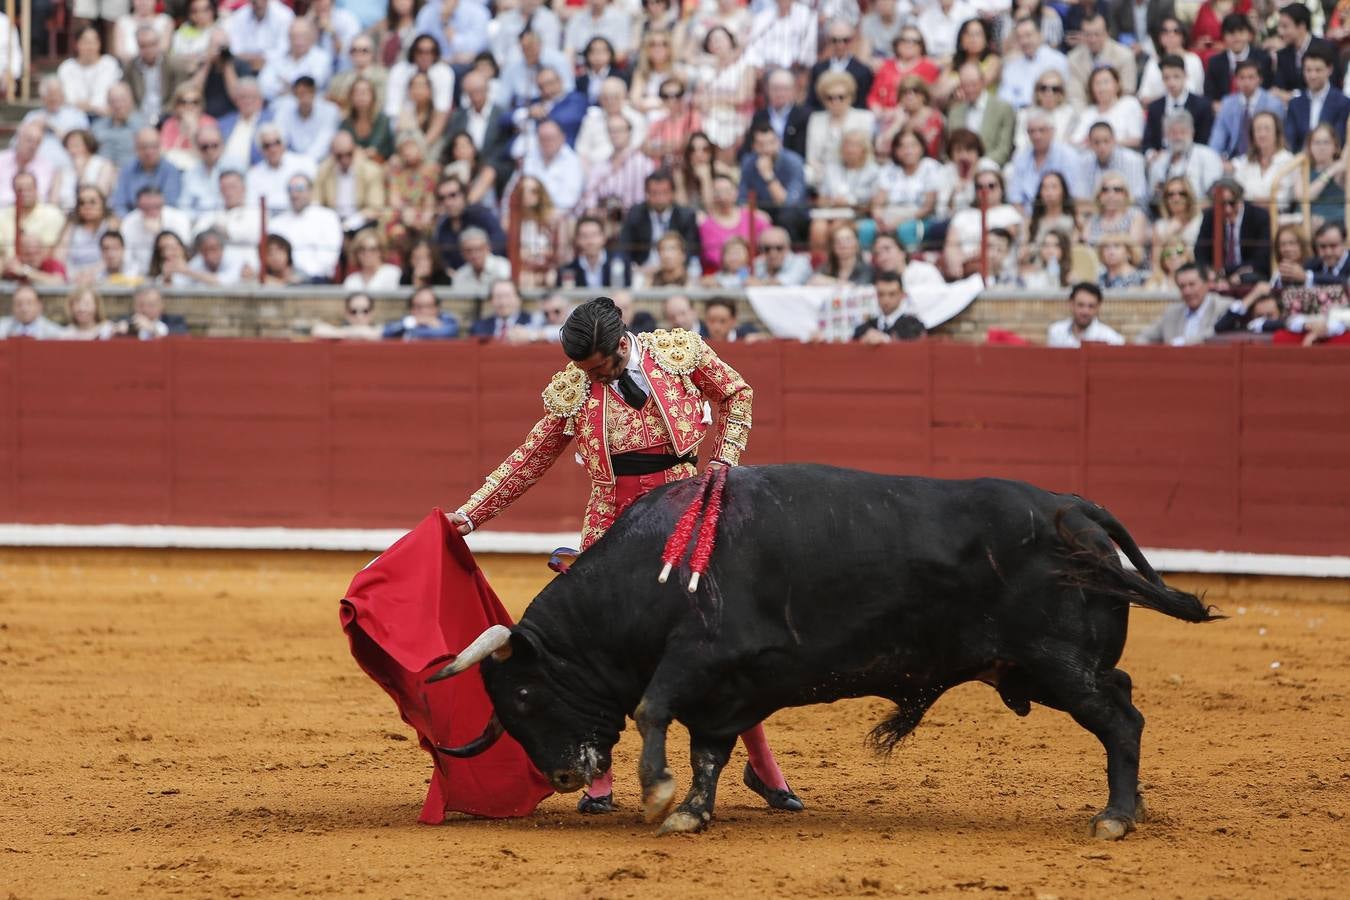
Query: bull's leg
x=658 y=785
x=1109 y=714
x=707 y=757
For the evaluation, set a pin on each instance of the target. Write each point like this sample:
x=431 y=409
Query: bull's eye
x=522 y=697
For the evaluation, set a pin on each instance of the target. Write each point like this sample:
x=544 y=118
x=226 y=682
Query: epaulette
x=677 y=351
x=566 y=392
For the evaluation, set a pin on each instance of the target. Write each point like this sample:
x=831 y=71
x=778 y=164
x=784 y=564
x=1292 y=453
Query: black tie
x=633 y=395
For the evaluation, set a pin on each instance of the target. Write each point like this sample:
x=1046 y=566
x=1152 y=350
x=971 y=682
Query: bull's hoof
x=657 y=800
x=1111 y=827
x=778 y=799
x=595 y=806
x=682 y=822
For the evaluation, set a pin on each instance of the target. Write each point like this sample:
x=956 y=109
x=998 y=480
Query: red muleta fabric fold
x=421 y=601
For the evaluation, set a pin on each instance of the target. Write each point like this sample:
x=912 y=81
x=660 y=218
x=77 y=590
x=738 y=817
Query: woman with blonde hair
x=542 y=233
x=655 y=66
x=1180 y=217
x=1050 y=97
x=1174 y=254
x=178 y=134
x=1119 y=256
x=369 y=271
x=1266 y=157
x=84 y=316
x=847 y=189
x=825 y=129
x=1115 y=213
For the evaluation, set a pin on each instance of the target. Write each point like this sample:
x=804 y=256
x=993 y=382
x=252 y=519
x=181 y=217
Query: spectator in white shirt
x=11 y=53
x=369 y=271
x=301 y=58
x=622 y=177
x=87 y=76
x=423 y=56
x=270 y=177
x=258 y=32
x=58 y=116
x=213 y=264
x=555 y=164
x=201 y=183
x=315 y=232
x=308 y=121
x=782 y=36
x=1184 y=158
x=507 y=28
x=593 y=144
x=481 y=267
x=240 y=223
x=939 y=23
x=599 y=18
x=143 y=225
x=1082 y=326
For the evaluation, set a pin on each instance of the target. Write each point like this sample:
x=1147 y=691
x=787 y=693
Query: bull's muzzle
x=494 y=642
x=490 y=734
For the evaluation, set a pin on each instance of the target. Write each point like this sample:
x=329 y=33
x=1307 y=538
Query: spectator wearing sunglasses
x=1245 y=257
x=839 y=58
x=270 y=177
x=358 y=322
x=1024 y=66
x=776 y=264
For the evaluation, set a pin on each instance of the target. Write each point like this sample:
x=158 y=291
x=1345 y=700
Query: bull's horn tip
x=665 y=573
x=693 y=582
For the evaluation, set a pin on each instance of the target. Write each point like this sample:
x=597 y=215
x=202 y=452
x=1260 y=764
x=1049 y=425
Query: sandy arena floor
x=192 y=724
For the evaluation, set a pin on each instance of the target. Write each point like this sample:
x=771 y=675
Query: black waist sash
x=647 y=463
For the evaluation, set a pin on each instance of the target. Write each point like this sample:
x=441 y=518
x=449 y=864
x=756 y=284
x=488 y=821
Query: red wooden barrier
x=1215 y=448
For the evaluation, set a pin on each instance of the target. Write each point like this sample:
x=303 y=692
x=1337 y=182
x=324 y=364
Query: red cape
x=418 y=603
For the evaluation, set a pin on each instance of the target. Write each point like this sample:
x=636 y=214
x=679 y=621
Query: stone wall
x=289 y=314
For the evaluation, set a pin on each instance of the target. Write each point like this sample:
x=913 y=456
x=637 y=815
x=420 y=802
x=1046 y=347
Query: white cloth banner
x=833 y=312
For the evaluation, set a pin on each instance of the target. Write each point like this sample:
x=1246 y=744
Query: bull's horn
x=494 y=642
x=477 y=745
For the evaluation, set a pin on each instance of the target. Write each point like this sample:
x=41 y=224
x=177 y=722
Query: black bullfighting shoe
x=594 y=806
x=562 y=559
x=772 y=796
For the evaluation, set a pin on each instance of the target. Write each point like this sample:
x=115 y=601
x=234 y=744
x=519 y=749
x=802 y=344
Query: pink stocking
x=761 y=758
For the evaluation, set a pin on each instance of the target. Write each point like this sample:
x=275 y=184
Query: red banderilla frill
x=707 y=501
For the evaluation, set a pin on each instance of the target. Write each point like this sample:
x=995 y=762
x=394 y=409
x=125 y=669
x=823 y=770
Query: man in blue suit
x=567 y=109
x=1320 y=103
x=1230 y=136
x=508 y=322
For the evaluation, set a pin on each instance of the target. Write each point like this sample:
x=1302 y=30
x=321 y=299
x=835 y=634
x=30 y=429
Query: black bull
x=826 y=583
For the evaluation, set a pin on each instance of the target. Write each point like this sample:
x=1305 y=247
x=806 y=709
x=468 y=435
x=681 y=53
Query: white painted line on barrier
x=376 y=540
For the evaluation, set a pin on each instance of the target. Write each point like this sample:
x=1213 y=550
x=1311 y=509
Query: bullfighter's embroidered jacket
x=683 y=372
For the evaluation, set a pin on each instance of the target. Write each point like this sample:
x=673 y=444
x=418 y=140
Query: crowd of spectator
x=720 y=144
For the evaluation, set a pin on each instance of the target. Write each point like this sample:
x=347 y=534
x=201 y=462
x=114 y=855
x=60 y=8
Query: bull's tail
x=1103 y=573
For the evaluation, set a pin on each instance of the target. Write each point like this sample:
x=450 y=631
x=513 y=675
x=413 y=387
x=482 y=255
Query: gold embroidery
x=678 y=352
x=566 y=392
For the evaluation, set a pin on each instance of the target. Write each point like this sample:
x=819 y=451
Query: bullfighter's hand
x=459 y=522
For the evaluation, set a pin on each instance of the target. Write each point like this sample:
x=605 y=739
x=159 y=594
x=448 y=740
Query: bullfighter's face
x=606 y=368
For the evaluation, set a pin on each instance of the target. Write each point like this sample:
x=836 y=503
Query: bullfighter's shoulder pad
x=566 y=392
x=677 y=351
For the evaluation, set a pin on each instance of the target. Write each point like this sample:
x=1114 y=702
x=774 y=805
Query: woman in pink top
x=724 y=220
